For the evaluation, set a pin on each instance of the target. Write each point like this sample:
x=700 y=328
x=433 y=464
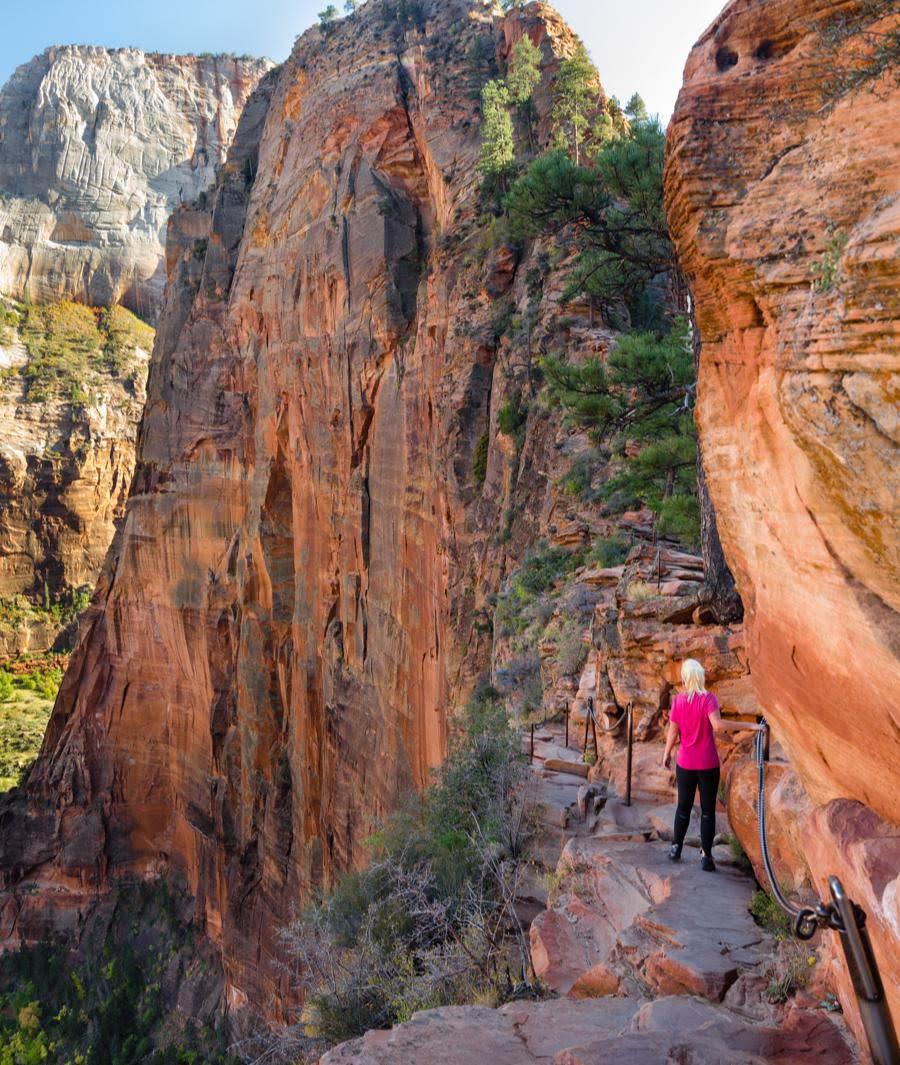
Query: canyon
x=325 y=505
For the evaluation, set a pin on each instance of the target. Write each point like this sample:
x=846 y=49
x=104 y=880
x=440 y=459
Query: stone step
x=563 y=765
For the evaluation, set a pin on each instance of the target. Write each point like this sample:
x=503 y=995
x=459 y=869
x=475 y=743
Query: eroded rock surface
x=97 y=147
x=783 y=187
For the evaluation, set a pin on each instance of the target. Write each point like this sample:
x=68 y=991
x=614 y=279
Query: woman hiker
x=693 y=722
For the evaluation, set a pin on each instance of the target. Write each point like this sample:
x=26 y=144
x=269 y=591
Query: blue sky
x=637 y=44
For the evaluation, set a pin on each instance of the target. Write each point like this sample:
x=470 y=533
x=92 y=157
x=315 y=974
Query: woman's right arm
x=719 y=724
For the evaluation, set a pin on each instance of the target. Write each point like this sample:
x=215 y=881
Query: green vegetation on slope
x=638 y=402
x=600 y=185
x=26 y=700
x=114 y=1005
x=70 y=345
x=60 y=611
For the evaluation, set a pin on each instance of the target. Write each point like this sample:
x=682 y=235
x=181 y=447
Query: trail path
x=654 y=961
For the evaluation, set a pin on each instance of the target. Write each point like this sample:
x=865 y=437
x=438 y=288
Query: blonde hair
x=693 y=677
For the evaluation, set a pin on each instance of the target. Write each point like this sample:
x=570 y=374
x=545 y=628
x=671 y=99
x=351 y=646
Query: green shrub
x=9 y=324
x=769 y=915
x=608 y=551
x=825 y=272
x=571 y=650
x=579 y=480
x=512 y=416
x=541 y=568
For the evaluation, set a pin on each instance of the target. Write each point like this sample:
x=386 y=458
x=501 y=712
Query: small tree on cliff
x=497 y=150
x=576 y=92
x=524 y=74
x=522 y=78
x=617 y=211
x=328 y=17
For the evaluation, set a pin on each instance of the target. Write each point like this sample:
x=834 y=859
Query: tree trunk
x=721 y=589
x=723 y=593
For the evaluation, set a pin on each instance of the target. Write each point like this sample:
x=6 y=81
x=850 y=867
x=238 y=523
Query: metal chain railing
x=628 y=719
x=843 y=916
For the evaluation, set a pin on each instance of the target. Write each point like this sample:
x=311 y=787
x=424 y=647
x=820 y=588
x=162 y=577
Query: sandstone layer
x=287 y=615
x=783 y=188
x=97 y=147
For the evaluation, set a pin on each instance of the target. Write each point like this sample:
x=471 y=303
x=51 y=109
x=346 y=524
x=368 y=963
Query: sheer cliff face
x=285 y=618
x=783 y=184
x=97 y=147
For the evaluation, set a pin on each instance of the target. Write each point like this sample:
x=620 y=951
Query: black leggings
x=687 y=781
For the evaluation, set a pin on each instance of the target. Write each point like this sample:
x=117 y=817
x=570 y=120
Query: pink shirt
x=697 y=749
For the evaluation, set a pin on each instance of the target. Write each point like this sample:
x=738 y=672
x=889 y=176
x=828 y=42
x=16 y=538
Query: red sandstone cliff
x=783 y=186
x=286 y=617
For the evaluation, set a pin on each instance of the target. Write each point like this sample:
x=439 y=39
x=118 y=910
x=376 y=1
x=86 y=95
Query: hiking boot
x=707 y=864
x=674 y=853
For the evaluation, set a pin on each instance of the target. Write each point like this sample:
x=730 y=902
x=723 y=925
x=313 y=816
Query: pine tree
x=497 y=151
x=524 y=74
x=576 y=90
x=643 y=395
x=636 y=109
x=616 y=207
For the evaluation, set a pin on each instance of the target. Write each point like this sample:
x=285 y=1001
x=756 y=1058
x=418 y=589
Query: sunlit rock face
x=97 y=147
x=783 y=186
x=286 y=619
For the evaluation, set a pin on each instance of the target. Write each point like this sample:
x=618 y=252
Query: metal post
x=594 y=732
x=873 y=1008
x=629 y=752
x=532 y=742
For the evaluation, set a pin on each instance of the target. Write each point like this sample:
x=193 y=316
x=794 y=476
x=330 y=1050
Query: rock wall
x=287 y=616
x=97 y=147
x=783 y=186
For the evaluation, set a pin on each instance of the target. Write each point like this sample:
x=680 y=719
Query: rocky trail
x=653 y=961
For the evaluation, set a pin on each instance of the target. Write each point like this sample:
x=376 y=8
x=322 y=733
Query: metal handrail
x=843 y=916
